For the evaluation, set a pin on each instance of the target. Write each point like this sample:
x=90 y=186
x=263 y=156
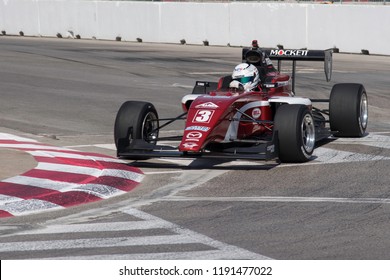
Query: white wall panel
x=351 y=28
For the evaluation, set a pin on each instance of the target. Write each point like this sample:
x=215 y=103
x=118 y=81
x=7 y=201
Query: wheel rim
x=149 y=128
x=363 y=117
x=308 y=133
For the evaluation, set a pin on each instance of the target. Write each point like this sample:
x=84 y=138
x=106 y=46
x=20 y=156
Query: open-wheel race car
x=225 y=120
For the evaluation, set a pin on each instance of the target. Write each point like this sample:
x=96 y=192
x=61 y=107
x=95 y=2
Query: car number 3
x=203 y=116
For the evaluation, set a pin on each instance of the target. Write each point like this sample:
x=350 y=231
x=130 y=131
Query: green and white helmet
x=247 y=75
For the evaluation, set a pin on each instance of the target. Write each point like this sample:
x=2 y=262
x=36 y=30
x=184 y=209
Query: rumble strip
x=62 y=178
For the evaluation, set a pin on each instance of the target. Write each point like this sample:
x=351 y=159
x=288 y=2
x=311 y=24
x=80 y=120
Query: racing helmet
x=236 y=87
x=247 y=75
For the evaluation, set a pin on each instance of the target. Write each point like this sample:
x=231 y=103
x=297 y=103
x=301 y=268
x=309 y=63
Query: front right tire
x=348 y=110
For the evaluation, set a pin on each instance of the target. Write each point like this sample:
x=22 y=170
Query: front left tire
x=295 y=127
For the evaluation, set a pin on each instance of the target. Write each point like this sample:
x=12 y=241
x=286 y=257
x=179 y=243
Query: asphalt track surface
x=65 y=93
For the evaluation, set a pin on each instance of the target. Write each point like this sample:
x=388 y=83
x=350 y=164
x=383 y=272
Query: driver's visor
x=245 y=80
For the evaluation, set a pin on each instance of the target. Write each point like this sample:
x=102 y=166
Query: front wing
x=259 y=150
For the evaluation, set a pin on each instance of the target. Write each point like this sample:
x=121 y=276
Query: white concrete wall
x=351 y=28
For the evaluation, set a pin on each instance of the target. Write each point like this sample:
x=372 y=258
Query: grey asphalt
x=67 y=92
x=14 y=163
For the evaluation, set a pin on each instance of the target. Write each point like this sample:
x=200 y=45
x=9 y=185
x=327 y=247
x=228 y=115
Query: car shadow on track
x=213 y=164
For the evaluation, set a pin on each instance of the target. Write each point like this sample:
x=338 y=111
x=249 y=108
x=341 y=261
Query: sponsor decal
x=193 y=136
x=203 y=116
x=256 y=113
x=278 y=84
x=285 y=83
x=271 y=148
x=197 y=127
x=210 y=105
x=289 y=52
x=241 y=67
x=190 y=145
x=270 y=85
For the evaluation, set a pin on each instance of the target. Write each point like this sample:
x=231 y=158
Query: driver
x=236 y=87
x=247 y=76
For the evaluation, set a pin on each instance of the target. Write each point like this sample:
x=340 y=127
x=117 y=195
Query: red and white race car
x=263 y=124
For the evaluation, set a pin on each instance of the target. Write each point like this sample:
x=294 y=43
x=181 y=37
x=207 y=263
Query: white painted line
x=335 y=156
x=380 y=132
x=99 y=227
x=198 y=238
x=5 y=199
x=331 y=156
x=372 y=139
x=189 y=255
x=34 y=147
x=80 y=146
x=96 y=172
x=106 y=146
x=134 y=176
x=179 y=236
x=30 y=206
x=53 y=154
x=69 y=169
x=101 y=191
x=163 y=172
x=40 y=183
x=281 y=199
x=7 y=136
x=96 y=243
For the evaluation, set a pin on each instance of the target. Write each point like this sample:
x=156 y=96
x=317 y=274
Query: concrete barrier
x=350 y=28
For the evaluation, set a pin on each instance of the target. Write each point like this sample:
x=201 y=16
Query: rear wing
x=254 y=56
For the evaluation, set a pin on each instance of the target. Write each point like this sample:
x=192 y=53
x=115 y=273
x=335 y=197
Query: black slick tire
x=295 y=128
x=135 y=120
x=348 y=110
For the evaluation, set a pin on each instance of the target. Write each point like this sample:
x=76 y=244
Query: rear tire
x=296 y=133
x=348 y=110
x=135 y=120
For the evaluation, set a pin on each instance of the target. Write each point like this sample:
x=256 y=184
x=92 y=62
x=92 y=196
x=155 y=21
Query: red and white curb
x=62 y=178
